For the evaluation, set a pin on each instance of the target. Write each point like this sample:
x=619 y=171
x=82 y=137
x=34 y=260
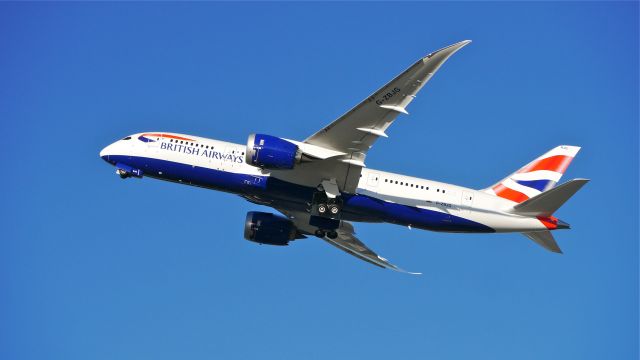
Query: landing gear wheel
x=322 y=208
x=334 y=209
x=332 y=234
x=320 y=233
x=123 y=174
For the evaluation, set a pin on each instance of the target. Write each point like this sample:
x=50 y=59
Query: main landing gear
x=331 y=234
x=325 y=209
x=328 y=209
x=326 y=201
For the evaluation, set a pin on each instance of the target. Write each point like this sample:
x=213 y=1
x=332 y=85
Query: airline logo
x=538 y=176
x=147 y=137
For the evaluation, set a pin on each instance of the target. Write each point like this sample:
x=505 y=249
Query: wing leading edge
x=356 y=131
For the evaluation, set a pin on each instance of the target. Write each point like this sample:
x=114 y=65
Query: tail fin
x=548 y=202
x=544 y=239
x=536 y=177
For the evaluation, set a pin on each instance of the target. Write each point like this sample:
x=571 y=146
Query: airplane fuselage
x=380 y=196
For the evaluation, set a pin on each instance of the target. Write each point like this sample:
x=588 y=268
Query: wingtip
x=450 y=50
x=404 y=271
x=459 y=44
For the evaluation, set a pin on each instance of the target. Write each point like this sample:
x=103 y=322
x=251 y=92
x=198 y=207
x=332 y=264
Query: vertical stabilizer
x=536 y=177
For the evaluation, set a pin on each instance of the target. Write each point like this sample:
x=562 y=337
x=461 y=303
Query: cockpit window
x=127 y=138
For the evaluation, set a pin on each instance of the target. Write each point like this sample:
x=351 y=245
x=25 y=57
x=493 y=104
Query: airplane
x=321 y=185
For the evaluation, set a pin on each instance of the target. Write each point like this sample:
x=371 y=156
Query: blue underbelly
x=411 y=216
x=295 y=197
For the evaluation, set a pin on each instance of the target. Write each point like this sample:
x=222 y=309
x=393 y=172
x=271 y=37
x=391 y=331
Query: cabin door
x=467 y=201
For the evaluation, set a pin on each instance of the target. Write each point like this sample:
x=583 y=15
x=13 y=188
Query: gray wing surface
x=353 y=134
x=356 y=131
x=346 y=241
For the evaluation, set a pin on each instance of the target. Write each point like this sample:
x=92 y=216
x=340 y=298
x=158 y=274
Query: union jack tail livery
x=536 y=177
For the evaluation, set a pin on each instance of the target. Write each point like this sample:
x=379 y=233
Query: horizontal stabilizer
x=544 y=239
x=549 y=201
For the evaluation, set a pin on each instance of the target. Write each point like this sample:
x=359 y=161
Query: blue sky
x=92 y=267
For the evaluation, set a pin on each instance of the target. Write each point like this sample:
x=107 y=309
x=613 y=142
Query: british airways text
x=201 y=152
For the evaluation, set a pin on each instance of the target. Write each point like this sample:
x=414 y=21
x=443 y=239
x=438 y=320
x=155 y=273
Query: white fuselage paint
x=474 y=205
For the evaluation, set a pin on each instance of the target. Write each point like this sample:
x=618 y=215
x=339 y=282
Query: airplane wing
x=344 y=143
x=346 y=240
x=356 y=131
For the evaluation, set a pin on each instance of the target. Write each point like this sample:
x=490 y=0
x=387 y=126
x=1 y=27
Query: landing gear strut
x=122 y=173
x=326 y=202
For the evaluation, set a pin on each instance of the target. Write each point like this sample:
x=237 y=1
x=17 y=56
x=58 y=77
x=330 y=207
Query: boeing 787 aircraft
x=322 y=186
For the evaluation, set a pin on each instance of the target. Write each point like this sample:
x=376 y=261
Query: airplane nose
x=104 y=153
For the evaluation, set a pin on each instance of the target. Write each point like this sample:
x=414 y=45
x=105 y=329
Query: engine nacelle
x=267 y=228
x=271 y=152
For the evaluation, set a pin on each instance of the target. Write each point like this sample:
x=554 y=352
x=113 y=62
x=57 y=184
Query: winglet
x=448 y=50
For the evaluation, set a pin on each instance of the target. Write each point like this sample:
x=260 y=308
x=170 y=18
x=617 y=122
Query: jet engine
x=270 y=152
x=267 y=228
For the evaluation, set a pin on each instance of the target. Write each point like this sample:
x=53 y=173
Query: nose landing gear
x=126 y=171
x=123 y=174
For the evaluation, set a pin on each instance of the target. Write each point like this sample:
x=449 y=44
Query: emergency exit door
x=373 y=180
